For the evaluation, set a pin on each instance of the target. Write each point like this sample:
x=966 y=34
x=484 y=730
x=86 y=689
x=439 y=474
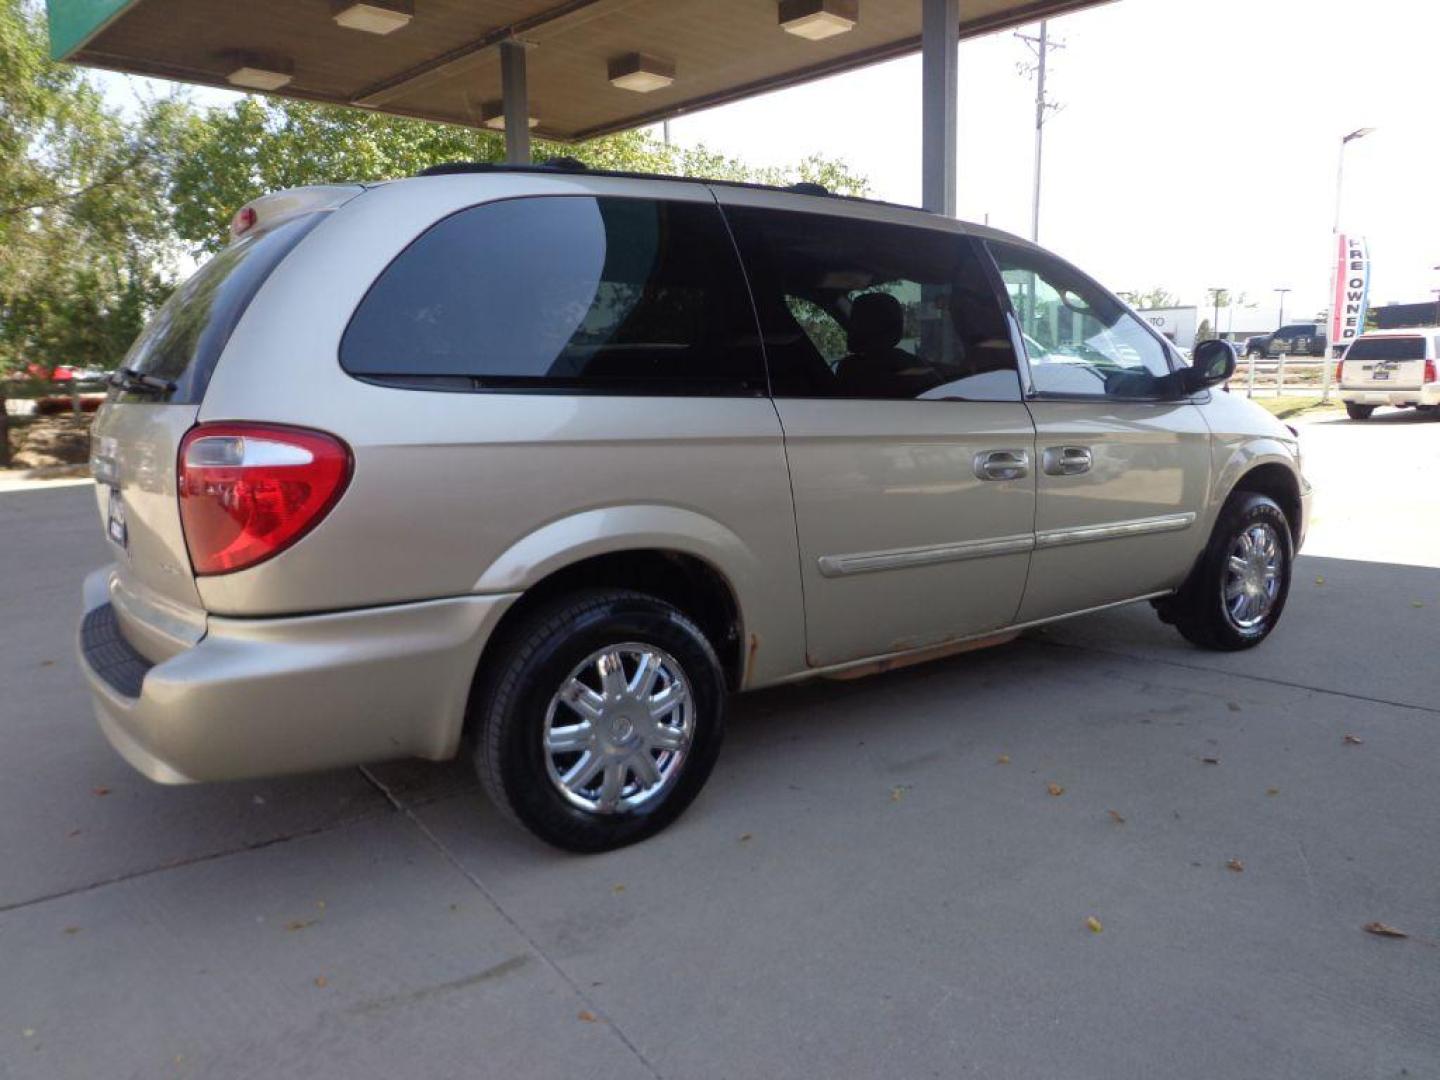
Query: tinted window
x=861 y=309
x=183 y=341
x=1387 y=348
x=1079 y=339
x=620 y=295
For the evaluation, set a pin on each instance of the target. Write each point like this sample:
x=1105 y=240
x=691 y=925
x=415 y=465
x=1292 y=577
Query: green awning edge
x=74 y=22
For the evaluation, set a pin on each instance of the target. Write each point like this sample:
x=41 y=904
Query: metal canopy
x=446 y=63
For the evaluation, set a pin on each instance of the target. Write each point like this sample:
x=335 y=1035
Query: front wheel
x=1238 y=589
x=599 y=720
x=1358 y=412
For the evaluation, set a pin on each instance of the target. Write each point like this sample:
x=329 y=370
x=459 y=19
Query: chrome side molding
x=866 y=562
x=1086 y=534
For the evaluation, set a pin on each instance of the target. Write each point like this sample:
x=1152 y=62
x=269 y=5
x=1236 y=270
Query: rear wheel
x=1358 y=412
x=600 y=719
x=1237 y=591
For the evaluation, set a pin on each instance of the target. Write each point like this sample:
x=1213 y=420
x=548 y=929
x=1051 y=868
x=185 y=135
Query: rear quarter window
x=564 y=293
x=184 y=339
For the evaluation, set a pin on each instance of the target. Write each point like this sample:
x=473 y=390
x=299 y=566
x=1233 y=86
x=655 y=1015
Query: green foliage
x=84 y=240
x=232 y=155
x=1148 y=299
x=1203 y=332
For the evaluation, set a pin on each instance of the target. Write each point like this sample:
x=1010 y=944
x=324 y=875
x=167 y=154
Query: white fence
x=1279 y=375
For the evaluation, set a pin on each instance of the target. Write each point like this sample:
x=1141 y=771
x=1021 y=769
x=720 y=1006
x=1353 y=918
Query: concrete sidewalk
x=876 y=881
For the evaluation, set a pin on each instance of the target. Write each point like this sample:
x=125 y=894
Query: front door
x=911 y=453
x=1124 y=462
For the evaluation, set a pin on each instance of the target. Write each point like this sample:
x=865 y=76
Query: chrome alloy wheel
x=619 y=729
x=1252 y=576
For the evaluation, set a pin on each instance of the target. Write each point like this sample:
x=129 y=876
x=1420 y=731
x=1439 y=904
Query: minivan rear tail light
x=249 y=491
x=1339 y=370
x=1430 y=371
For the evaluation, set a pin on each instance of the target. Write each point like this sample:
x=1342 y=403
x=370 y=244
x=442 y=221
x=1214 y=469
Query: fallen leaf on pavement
x=1353 y=740
x=1003 y=759
x=1054 y=788
x=1417 y=603
x=588 y=1016
x=618 y=889
x=321 y=981
x=745 y=837
x=300 y=924
x=1272 y=791
x=1236 y=865
x=1319 y=581
x=100 y=791
x=72 y=929
x=1094 y=924
x=1210 y=760
x=29 y=1033
x=74 y=832
x=1116 y=817
x=47 y=663
x=1233 y=706
x=1381 y=930
x=898 y=792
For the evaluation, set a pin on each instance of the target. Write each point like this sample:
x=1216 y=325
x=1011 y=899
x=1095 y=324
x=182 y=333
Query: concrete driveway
x=877 y=881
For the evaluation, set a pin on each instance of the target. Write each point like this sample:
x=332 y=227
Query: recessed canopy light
x=260 y=72
x=816 y=20
x=641 y=72
x=492 y=116
x=373 y=16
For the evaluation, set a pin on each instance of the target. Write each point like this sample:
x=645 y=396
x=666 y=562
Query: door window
x=564 y=293
x=865 y=309
x=1080 y=341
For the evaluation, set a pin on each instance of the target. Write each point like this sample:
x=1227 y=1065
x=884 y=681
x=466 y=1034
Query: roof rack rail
x=575 y=165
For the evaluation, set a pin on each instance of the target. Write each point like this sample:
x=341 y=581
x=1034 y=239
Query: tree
x=1203 y=331
x=84 y=241
x=1148 y=299
x=230 y=156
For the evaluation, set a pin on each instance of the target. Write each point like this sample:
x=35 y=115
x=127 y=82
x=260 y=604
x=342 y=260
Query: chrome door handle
x=1066 y=460
x=1002 y=464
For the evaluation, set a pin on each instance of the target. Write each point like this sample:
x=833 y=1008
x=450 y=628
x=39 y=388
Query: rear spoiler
x=270 y=210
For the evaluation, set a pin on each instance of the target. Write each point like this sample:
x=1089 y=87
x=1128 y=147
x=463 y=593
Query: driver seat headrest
x=877 y=322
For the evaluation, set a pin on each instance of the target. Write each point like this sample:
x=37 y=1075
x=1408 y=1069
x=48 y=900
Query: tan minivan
x=545 y=464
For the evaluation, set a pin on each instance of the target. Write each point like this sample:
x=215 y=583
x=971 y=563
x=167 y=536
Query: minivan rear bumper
x=263 y=697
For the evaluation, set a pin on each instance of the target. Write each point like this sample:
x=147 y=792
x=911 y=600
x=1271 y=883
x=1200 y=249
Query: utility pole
x=1282 y=293
x=1040 y=45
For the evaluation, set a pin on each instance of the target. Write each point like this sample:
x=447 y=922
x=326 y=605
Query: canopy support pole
x=939 y=103
x=515 y=93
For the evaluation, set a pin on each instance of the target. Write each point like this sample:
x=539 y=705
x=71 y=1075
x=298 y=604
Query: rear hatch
x=1385 y=363
x=153 y=401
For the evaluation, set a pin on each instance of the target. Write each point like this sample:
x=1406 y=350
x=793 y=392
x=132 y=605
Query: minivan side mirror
x=1212 y=363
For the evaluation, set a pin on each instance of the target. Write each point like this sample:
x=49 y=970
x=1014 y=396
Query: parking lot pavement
x=877 y=879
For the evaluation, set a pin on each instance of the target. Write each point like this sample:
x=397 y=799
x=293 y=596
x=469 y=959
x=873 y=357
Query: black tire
x=514 y=693
x=1358 y=412
x=1199 y=610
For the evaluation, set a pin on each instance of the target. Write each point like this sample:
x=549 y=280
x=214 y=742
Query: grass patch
x=1283 y=408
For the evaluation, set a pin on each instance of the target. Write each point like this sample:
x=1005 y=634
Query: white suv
x=544 y=464
x=1390 y=367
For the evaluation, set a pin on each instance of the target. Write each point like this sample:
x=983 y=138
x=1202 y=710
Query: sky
x=1195 y=147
